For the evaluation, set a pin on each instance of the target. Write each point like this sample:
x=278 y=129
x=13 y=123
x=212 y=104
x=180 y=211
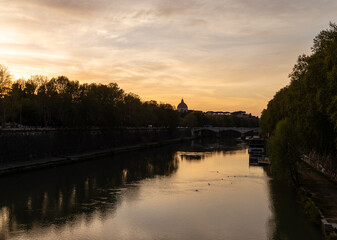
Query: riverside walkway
x=323 y=193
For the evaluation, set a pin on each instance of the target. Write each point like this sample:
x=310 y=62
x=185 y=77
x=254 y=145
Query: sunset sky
x=223 y=55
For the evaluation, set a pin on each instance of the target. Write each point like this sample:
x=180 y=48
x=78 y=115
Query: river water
x=193 y=190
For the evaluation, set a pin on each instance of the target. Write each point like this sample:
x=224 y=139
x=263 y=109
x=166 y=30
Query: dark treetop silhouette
x=60 y=102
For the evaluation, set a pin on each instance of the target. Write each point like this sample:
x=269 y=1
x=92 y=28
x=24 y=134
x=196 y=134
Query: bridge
x=224 y=131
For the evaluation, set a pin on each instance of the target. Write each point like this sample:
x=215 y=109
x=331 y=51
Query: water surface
x=195 y=190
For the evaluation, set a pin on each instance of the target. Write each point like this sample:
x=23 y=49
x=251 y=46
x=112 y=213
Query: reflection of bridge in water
x=224 y=131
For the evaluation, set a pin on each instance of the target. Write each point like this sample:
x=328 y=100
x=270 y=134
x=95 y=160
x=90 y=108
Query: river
x=202 y=189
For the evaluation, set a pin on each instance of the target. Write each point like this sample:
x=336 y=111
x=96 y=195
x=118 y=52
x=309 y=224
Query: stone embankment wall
x=26 y=144
x=325 y=164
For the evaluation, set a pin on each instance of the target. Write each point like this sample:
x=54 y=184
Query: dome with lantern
x=182 y=107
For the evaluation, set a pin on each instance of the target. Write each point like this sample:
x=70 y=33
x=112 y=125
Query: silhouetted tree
x=309 y=102
x=60 y=102
x=5 y=84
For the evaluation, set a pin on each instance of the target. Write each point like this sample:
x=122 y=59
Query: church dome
x=182 y=107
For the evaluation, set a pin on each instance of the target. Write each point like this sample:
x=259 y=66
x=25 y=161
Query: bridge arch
x=251 y=133
x=223 y=131
x=230 y=133
x=205 y=132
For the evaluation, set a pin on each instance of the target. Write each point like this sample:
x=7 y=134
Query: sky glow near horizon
x=220 y=55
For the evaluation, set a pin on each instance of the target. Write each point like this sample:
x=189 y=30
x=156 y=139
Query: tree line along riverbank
x=43 y=118
x=300 y=122
x=60 y=102
x=302 y=117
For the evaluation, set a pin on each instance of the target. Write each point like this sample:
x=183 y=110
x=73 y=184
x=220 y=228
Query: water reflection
x=201 y=148
x=202 y=189
x=59 y=195
x=287 y=221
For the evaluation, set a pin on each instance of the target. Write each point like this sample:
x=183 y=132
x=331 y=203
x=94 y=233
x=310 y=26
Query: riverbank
x=18 y=145
x=323 y=193
x=39 y=163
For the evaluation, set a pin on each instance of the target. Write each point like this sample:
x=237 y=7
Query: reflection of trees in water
x=288 y=222
x=59 y=195
x=198 y=149
x=62 y=194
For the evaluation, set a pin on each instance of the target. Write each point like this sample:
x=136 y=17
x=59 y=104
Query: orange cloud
x=218 y=55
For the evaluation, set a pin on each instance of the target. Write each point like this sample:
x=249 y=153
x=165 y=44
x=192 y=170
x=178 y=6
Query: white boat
x=256 y=146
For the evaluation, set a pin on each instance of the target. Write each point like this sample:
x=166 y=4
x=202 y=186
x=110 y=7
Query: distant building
x=182 y=107
x=241 y=114
x=218 y=113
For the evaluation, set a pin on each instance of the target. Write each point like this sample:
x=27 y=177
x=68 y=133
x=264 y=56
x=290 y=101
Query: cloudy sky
x=217 y=54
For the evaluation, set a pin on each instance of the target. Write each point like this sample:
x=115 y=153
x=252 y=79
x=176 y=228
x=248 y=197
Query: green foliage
x=197 y=119
x=312 y=212
x=191 y=120
x=309 y=208
x=60 y=102
x=5 y=80
x=310 y=100
x=283 y=150
x=332 y=236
